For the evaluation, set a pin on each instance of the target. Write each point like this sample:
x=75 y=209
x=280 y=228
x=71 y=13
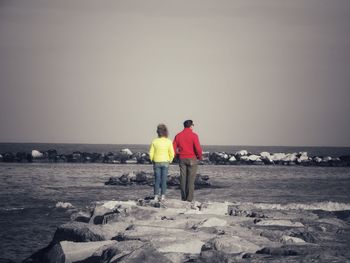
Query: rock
x=196 y=232
x=303 y=158
x=215 y=208
x=254 y=158
x=51 y=153
x=212 y=221
x=126 y=151
x=277 y=157
x=219 y=157
x=9 y=157
x=141 y=178
x=173 y=180
x=291 y=240
x=232 y=159
x=280 y=222
x=290 y=158
x=37 y=155
x=124 y=179
x=116 y=251
x=277 y=251
x=317 y=159
x=80 y=232
x=241 y=153
x=234 y=210
x=232 y=245
x=145 y=178
x=142 y=158
x=147 y=254
x=78 y=251
x=206 y=156
x=201 y=181
x=326 y=159
x=267 y=160
x=265 y=154
x=81 y=216
x=22 y=157
x=244 y=158
x=53 y=253
x=191 y=246
x=114 y=180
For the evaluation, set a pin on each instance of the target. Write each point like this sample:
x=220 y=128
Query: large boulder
x=126 y=151
x=278 y=157
x=219 y=157
x=241 y=153
x=265 y=154
x=37 y=155
x=23 y=157
x=231 y=245
x=9 y=157
x=80 y=232
x=303 y=158
x=53 y=253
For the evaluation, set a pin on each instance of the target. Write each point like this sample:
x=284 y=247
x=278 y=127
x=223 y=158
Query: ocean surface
x=30 y=191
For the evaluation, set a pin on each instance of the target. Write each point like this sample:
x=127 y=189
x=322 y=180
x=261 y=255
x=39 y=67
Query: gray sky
x=247 y=72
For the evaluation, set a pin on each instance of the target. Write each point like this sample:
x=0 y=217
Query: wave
x=64 y=205
x=326 y=206
x=11 y=209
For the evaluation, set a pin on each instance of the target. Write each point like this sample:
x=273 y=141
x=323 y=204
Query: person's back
x=186 y=145
x=161 y=150
x=161 y=153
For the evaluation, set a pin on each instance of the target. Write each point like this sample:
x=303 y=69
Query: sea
x=30 y=192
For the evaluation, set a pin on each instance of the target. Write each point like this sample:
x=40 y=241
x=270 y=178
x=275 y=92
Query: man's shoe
x=162 y=198
x=156 y=198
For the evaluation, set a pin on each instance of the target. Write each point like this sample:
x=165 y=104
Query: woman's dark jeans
x=160 y=174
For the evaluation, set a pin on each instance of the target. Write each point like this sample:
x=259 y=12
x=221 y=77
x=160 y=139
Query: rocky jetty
x=175 y=231
x=126 y=156
x=146 y=178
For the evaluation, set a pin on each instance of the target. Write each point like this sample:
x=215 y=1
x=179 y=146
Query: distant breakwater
x=126 y=156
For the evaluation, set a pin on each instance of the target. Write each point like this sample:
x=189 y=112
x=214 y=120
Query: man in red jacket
x=187 y=147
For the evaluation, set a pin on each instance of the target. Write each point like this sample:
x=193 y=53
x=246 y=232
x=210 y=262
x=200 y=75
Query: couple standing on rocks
x=162 y=152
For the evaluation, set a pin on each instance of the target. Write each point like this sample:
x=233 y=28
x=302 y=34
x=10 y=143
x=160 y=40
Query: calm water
x=29 y=192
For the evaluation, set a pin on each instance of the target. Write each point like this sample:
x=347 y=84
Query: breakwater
x=126 y=156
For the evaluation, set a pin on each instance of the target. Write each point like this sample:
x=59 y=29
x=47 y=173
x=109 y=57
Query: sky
x=272 y=72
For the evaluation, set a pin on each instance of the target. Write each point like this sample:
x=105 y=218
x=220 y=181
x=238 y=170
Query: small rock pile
x=146 y=178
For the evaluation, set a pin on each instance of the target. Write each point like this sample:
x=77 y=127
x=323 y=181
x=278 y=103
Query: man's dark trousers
x=188 y=172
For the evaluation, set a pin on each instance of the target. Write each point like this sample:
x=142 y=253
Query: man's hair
x=188 y=123
x=162 y=130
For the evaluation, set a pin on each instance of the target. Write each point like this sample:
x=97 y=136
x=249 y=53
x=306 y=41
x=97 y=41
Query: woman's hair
x=162 y=130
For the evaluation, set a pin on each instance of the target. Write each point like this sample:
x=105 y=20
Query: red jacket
x=186 y=145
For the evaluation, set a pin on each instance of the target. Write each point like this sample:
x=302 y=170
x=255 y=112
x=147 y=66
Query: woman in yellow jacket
x=161 y=153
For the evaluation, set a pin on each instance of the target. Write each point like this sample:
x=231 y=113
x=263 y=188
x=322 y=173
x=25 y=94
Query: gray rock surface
x=176 y=231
